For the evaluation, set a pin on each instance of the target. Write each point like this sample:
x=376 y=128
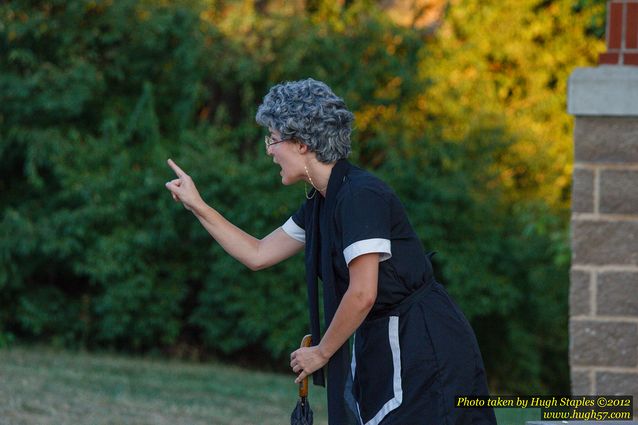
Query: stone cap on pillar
x=603 y=91
x=622 y=33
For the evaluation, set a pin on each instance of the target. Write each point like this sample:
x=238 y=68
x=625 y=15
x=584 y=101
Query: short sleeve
x=365 y=218
x=294 y=227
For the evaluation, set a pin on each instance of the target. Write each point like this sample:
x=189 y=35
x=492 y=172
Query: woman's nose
x=269 y=151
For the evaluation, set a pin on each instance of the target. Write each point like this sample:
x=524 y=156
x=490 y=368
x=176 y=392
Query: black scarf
x=319 y=219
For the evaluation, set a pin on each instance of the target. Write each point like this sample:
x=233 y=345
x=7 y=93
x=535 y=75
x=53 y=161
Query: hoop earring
x=313 y=190
x=313 y=183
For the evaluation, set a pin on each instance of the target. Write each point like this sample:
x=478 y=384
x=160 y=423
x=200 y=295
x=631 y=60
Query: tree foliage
x=468 y=126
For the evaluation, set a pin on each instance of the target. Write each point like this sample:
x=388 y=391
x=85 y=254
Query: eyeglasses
x=269 y=141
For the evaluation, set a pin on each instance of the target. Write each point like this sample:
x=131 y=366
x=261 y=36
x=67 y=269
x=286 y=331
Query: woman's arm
x=353 y=309
x=256 y=254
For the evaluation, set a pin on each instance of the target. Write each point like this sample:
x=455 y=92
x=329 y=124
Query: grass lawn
x=41 y=386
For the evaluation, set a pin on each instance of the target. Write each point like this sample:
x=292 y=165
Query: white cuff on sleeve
x=367 y=246
x=294 y=231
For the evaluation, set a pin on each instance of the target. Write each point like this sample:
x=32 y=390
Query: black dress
x=415 y=351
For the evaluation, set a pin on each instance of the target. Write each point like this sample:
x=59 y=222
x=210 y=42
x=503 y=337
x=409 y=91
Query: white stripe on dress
x=390 y=405
x=366 y=246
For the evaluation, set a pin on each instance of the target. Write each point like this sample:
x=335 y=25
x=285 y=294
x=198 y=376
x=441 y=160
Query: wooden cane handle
x=303 y=385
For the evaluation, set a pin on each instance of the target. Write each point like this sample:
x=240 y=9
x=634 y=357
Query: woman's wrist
x=324 y=352
x=200 y=208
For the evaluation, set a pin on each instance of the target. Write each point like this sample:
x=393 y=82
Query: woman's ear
x=303 y=148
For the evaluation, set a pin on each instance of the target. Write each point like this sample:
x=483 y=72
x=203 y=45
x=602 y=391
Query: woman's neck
x=318 y=175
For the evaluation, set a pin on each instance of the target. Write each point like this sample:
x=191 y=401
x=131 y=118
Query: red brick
x=614 y=31
x=630 y=59
x=631 y=31
x=608 y=59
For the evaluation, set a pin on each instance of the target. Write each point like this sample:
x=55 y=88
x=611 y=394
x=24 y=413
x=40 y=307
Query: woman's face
x=288 y=156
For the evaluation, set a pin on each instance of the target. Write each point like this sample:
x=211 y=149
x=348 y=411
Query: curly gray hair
x=308 y=111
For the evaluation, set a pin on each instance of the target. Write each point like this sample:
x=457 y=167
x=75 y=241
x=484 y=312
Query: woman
x=413 y=349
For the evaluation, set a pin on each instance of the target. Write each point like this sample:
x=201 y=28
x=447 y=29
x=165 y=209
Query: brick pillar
x=603 y=329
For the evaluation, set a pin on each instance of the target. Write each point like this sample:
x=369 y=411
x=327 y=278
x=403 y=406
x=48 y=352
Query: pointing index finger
x=175 y=168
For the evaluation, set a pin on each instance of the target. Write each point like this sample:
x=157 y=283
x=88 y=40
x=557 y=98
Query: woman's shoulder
x=361 y=182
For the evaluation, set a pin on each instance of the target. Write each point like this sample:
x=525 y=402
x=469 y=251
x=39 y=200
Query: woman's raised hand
x=183 y=188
